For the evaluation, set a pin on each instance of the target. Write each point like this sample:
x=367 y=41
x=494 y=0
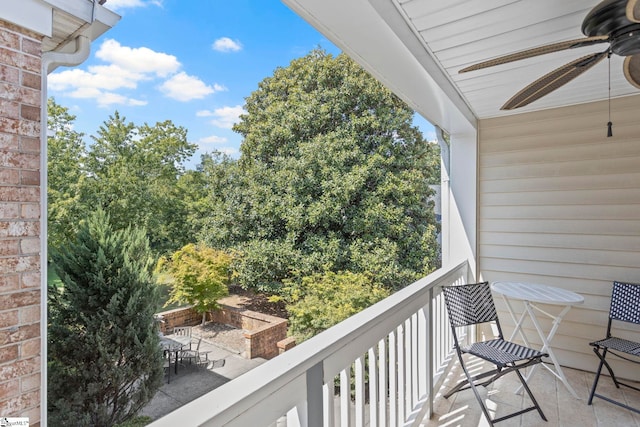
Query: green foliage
x=332 y=175
x=201 y=276
x=132 y=172
x=66 y=175
x=263 y=264
x=104 y=358
x=325 y=299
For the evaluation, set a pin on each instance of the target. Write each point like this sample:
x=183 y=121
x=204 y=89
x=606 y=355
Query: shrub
x=324 y=299
x=200 y=275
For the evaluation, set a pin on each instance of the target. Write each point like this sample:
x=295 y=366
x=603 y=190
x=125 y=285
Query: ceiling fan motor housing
x=626 y=42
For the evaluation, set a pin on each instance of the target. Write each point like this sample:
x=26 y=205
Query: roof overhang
x=417 y=47
x=61 y=22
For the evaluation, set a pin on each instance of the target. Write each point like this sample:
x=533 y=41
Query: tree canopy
x=332 y=176
x=130 y=171
x=66 y=158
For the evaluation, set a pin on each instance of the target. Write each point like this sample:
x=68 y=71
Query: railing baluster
x=429 y=354
x=421 y=354
x=401 y=375
x=373 y=387
x=415 y=375
x=328 y=399
x=345 y=397
x=393 y=375
x=359 y=386
x=383 y=381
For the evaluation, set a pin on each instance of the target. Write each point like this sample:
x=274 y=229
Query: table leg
x=546 y=343
x=518 y=322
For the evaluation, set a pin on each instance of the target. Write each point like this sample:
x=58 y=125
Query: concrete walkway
x=191 y=382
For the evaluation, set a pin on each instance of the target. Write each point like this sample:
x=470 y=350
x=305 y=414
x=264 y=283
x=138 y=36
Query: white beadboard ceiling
x=445 y=36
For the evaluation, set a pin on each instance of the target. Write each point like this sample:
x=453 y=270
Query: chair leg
x=595 y=380
x=472 y=386
x=533 y=399
x=606 y=364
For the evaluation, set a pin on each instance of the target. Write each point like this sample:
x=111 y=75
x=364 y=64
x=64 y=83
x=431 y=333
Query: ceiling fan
x=616 y=22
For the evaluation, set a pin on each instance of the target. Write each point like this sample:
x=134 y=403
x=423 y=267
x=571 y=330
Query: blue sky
x=189 y=61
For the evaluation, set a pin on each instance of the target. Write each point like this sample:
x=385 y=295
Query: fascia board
x=34 y=15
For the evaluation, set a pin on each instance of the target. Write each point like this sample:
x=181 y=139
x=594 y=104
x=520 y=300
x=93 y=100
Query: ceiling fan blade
x=633 y=11
x=552 y=81
x=631 y=68
x=542 y=50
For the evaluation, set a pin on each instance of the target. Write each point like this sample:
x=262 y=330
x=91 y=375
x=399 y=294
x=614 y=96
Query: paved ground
x=191 y=382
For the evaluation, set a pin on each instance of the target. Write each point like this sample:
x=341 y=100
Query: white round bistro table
x=532 y=294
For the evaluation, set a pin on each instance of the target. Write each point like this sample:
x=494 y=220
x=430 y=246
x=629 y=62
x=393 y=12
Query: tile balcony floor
x=559 y=406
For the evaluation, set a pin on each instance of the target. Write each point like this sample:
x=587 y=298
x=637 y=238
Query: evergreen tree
x=104 y=357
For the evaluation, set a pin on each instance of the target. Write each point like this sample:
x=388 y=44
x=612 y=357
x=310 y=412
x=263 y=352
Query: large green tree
x=132 y=172
x=66 y=174
x=332 y=176
x=104 y=357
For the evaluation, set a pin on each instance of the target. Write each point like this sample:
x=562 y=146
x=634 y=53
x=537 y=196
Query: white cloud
x=104 y=98
x=125 y=68
x=140 y=60
x=130 y=4
x=225 y=44
x=213 y=139
x=225 y=117
x=109 y=77
x=183 y=87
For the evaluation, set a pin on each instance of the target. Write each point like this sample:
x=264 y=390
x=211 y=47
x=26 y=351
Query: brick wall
x=262 y=332
x=178 y=317
x=19 y=223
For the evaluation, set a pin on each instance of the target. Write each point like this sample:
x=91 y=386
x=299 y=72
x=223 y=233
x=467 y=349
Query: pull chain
x=609 y=124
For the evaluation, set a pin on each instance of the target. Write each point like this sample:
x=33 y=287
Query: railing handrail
x=222 y=405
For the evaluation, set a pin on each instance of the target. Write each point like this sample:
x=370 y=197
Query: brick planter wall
x=178 y=317
x=261 y=331
x=20 y=352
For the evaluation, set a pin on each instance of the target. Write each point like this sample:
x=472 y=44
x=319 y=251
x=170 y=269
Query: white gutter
x=50 y=60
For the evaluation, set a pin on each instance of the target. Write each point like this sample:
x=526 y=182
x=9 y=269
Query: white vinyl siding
x=559 y=204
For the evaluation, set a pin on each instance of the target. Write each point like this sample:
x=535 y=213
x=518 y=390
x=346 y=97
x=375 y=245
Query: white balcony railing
x=388 y=358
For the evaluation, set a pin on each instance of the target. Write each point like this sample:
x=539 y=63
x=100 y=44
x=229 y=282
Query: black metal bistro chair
x=625 y=307
x=471 y=305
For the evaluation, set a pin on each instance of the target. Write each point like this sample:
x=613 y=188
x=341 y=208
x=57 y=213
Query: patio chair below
x=625 y=307
x=471 y=305
x=200 y=358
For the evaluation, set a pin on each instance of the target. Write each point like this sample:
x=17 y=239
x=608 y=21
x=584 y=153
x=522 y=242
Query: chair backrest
x=625 y=302
x=469 y=304
x=184 y=331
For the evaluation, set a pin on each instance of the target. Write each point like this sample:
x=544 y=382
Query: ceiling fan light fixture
x=633 y=11
x=631 y=69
